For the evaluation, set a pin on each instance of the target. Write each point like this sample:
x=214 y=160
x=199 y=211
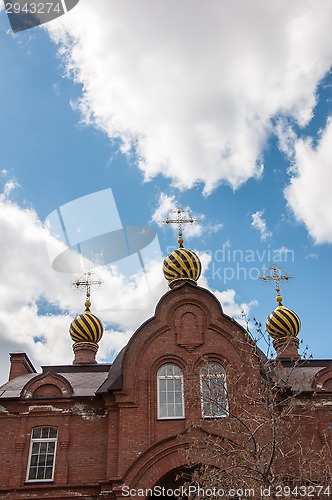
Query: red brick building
x=94 y=430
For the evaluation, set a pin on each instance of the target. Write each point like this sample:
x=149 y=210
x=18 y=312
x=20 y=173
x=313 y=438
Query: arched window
x=170 y=392
x=213 y=390
x=42 y=454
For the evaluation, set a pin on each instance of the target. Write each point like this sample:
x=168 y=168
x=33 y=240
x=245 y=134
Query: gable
x=47 y=385
x=189 y=324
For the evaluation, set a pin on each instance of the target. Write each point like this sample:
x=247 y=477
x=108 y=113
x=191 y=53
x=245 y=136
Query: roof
x=114 y=379
x=300 y=375
x=13 y=388
x=85 y=380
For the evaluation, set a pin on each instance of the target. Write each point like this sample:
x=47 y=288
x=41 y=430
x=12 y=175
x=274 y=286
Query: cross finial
x=180 y=221
x=276 y=276
x=86 y=280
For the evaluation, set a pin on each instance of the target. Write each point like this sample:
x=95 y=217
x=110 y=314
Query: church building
x=179 y=391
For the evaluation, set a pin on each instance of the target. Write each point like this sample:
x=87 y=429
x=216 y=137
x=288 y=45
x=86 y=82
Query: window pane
x=162 y=384
x=48 y=472
x=178 y=384
x=178 y=410
x=171 y=397
x=35 y=448
x=33 y=473
x=53 y=432
x=178 y=398
x=171 y=411
x=43 y=447
x=169 y=370
x=40 y=473
x=169 y=385
x=163 y=410
x=36 y=433
x=162 y=371
x=162 y=397
x=45 y=432
x=51 y=447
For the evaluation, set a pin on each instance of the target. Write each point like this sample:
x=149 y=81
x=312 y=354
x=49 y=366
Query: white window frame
x=218 y=373
x=178 y=377
x=41 y=440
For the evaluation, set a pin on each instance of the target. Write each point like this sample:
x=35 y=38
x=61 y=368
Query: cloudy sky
x=116 y=113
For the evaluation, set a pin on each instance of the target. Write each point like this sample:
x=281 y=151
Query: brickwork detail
x=113 y=438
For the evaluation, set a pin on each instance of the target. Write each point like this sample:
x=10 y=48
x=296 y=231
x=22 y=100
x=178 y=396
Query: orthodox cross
x=276 y=276
x=87 y=281
x=179 y=221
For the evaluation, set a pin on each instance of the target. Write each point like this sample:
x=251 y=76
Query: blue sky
x=163 y=110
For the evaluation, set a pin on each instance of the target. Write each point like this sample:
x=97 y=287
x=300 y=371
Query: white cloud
x=167 y=205
x=232 y=308
x=227 y=298
x=283 y=254
x=311 y=255
x=286 y=137
x=215 y=228
x=166 y=209
x=259 y=223
x=27 y=278
x=309 y=192
x=193 y=85
x=8 y=188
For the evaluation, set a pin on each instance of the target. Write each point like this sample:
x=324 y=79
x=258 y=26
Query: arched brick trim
x=167 y=358
x=212 y=357
x=323 y=378
x=160 y=459
x=157 y=461
x=50 y=379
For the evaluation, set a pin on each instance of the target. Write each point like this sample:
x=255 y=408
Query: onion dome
x=86 y=328
x=182 y=264
x=283 y=322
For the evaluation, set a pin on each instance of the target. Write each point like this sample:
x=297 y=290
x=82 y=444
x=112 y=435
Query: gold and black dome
x=283 y=322
x=86 y=328
x=182 y=264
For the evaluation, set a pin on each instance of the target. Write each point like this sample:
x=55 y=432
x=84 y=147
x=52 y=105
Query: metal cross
x=276 y=277
x=87 y=281
x=180 y=221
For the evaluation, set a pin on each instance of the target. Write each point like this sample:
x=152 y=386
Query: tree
x=257 y=437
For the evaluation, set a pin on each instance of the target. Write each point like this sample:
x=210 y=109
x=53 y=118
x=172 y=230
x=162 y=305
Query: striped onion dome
x=86 y=327
x=182 y=264
x=283 y=322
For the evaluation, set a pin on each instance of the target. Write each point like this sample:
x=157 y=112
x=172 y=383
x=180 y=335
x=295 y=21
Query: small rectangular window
x=42 y=454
